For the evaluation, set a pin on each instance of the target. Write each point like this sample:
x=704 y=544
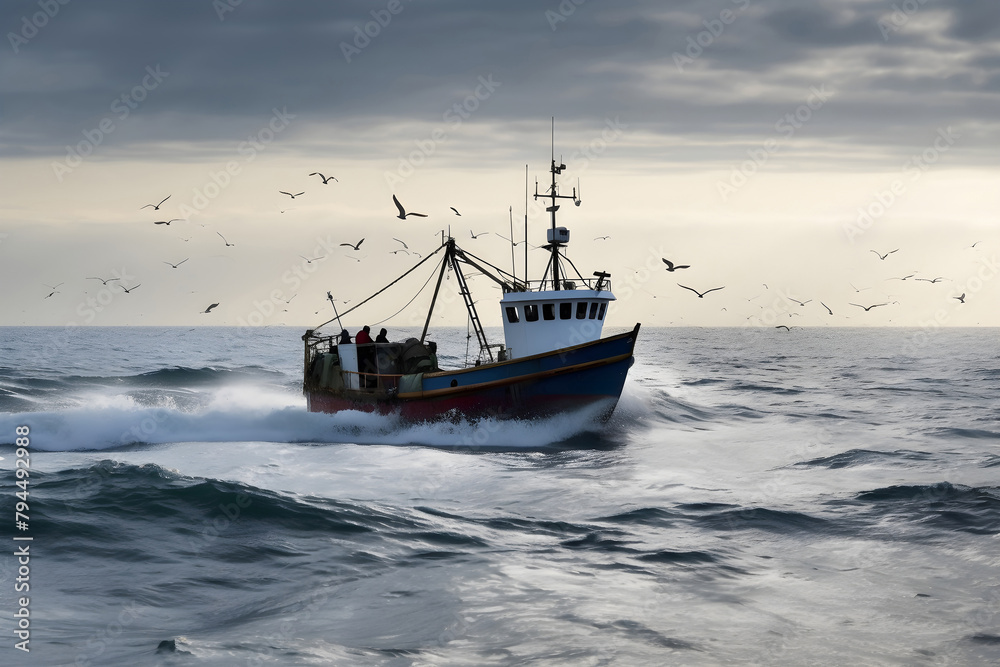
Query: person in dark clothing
x=363 y=336
x=345 y=338
x=381 y=338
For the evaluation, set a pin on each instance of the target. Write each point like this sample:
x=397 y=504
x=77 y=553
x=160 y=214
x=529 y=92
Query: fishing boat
x=553 y=358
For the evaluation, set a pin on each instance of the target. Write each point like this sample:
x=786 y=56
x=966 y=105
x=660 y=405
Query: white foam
x=254 y=414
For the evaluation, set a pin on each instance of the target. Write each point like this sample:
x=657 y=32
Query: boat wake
x=267 y=414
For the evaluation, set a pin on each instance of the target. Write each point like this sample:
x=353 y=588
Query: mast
x=555 y=239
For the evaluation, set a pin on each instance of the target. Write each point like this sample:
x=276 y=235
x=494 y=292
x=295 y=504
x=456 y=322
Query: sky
x=814 y=159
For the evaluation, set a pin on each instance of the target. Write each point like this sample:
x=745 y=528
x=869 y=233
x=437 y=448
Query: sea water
x=818 y=496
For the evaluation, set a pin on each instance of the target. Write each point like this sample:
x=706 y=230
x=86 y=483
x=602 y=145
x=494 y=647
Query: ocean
x=819 y=496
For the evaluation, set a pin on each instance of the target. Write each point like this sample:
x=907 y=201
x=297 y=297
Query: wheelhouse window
x=548 y=311
x=581 y=310
x=512 y=315
x=593 y=310
x=531 y=313
x=600 y=313
x=565 y=310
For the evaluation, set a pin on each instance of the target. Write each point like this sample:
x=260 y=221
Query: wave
x=262 y=414
x=860 y=457
x=950 y=507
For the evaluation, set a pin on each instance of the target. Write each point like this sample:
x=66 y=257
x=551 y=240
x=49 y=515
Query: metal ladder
x=471 y=307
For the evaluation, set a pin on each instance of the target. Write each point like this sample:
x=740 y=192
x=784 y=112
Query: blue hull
x=541 y=384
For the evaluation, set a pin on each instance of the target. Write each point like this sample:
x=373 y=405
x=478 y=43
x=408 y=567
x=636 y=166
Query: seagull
x=395 y=252
x=671 y=268
x=975 y=244
x=858 y=290
x=601 y=238
x=881 y=256
x=960 y=298
x=292 y=297
x=476 y=236
x=701 y=295
x=904 y=277
x=53 y=288
x=402 y=212
x=935 y=280
x=325 y=179
x=867 y=308
x=224 y=239
x=178 y=263
x=129 y=289
x=310 y=260
x=209 y=309
x=454 y=209
x=103 y=281
x=166 y=222
x=156 y=207
x=403 y=242
x=782 y=326
x=355 y=246
x=827 y=307
x=290 y=194
x=801 y=303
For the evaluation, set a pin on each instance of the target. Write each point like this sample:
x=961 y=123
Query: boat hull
x=542 y=384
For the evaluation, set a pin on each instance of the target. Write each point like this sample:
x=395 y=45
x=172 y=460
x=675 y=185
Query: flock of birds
x=402 y=214
x=882 y=256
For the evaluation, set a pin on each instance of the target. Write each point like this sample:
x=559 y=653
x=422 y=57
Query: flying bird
x=904 y=277
x=601 y=238
x=290 y=194
x=178 y=263
x=156 y=207
x=325 y=179
x=355 y=246
x=395 y=252
x=867 y=308
x=166 y=222
x=960 y=298
x=801 y=303
x=310 y=260
x=975 y=244
x=476 y=236
x=935 y=280
x=881 y=256
x=782 y=326
x=827 y=307
x=858 y=290
x=228 y=244
x=103 y=281
x=53 y=288
x=701 y=295
x=128 y=290
x=455 y=210
x=403 y=242
x=209 y=309
x=402 y=212
x=671 y=268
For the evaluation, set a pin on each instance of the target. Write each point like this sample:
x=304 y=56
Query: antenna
x=526 y=224
x=513 y=269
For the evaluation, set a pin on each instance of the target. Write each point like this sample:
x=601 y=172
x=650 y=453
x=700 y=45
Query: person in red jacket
x=363 y=336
